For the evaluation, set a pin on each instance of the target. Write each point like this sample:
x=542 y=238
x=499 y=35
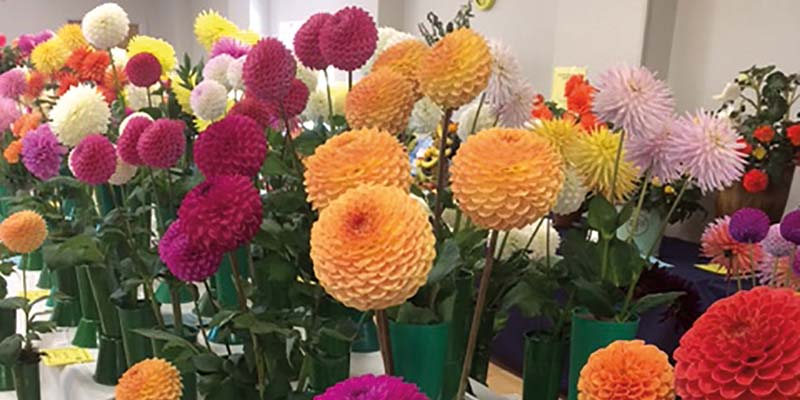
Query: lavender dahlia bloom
x=41 y=153
x=790 y=227
x=371 y=387
x=775 y=245
x=749 y=225
x=651 y=151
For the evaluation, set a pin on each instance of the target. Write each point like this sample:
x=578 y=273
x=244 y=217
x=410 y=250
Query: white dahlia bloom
x=538 y=249
x=124 y=123
x=317 y=106
x=425 y=117
x=136 y=97
x=234 y=73
x=120 y=57
x=209 y=100
x=573 y=193
x=216 y=69
x=81 y=111
x=307 y=76
x=516 y=111
x=123 y=174
x=505 y=75
x=105 y=26
x=486 y=119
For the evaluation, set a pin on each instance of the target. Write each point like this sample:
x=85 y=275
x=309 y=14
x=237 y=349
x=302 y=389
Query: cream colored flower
x=105 y=26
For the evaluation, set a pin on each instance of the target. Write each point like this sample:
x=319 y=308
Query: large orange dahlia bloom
x=404 y=57
x=151 y=379
x=383 y=100
x=506 y=178
x=354 y=158
x=627 y=370
x=456 y=69
x=23 y=232
x=373 y=247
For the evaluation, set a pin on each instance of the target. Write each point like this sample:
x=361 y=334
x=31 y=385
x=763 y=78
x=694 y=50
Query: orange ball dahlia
x=506 y=178
x=627 y=370
x=456 y=69
x=404 y=57
x=373 y=247
x=746 y=346
x=354 y=158
x=383 y=100
x=23 y=232
x=151 y=379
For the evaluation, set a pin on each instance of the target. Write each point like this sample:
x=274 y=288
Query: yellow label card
x=66 y=356
x=35 y=294
x=713 y=268
x=560 y=77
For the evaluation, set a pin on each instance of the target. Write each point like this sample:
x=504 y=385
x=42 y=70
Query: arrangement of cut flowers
x=299 y=218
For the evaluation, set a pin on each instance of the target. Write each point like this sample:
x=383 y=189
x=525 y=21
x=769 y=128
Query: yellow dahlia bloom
x=373 y=247
x=209 y=27
x=456 y=69
x=562 y=134
x=151 y=379
x=405 y=58
x=354 y=158
x=23 y=232
x=72 y=36
x=627 y=370
x=506 y=178
x=49 y=56
x=383 y=100
x=182 y=94
x=593 y=157
x=159 y=48
x=245 y=36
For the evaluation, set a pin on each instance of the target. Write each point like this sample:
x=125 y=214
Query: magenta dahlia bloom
x=269 y=69
x=186 y=261
x=708 y=149
x=266 y=114
x=790 y=227
x=9 y=112
x=131 y=130
x=633 y=99
x=42 y=153
x=306 y=42
x=749 y=225
x=162 y=143
x=371 y=387
x=775 y=244
x=143 y=70
x=229 y=46
x=295 y=101
x=27 y=42
x=12 y=83
x=93 y=160
x=349 y=38
x=651 y=151
x=222 y=213
x=235 y=145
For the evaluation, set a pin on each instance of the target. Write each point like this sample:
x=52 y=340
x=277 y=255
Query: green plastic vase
x=86 y=334
x=225 y=291
x=67 y=309
x=8 y=327
x=367 y=338
x=45 y=280
x=420 y=354
x=140 y=316
x=111 y=362
x=543 y=366
x=589 y=335
x=35 y=261
x=460 y=320
x=26 y=381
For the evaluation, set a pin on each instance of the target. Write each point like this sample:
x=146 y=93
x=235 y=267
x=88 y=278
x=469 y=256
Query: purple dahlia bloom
x=41 y=152
x=790 y=227
x=749 y=225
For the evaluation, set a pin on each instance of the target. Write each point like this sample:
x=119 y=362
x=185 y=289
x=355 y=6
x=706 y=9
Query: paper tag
x=713 y=268
x=35 y=294
x=560 y=77
x=66 y=356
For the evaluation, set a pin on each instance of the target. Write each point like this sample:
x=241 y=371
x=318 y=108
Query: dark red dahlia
x=306 y=42
x=266 y=114
x=269 y=69
x=186 y=261
x=143 y=70
x=161 y=145
x=295 y=101
x=349 y=38
x=235 y=145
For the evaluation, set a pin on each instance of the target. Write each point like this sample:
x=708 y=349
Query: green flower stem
x=237 y=280
x=159 y=213
x=604 y=260
x=459 y=216
x=330 y=98
x=477 y=114
x=546 y=244
x=637 y=212
x=117 y=86
x=535 y=232
x=200 y=324
x=151 y=299
x=665 y=222
x=176 y=309
x=617 y=161
x=503 y=242
x=441 y=178
x=27 y=310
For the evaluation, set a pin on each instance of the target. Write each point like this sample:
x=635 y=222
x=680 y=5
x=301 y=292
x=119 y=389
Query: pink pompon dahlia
x=633 y=99
x=187 y=262
x=143 y=70
x=235 y=145
x=131 y=130
x=775 y=245
x=709 y=150
x=295 y=101
x=349 y=38
x=41 y=152
x=9 y=112
x=371 y=387
x=651 y=151
x=306 y=42
x=269 y=69
x=229 y=46
x=162 y=143
x=12 y=83
x=222 y=213
x=778 y=272
x=93 y=160
x=718 y=245
x=266 y=114
x=27 y=42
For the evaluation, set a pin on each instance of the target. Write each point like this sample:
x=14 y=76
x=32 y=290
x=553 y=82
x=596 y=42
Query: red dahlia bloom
x=793 y=133
x=755 y=181
x=306 y=42
x=348 y=38
x=764 y=133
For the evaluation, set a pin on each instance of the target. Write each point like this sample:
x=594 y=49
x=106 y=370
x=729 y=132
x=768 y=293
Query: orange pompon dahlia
x=151 y=379
x=12 y=151
x=36 y=81
x=354 y=158
x=373 y=247
x=506 y=178
x=456 y=69
x=627 y=370
x=382 y=100
x=404 y=57
x=26 y=123
x=23 y=232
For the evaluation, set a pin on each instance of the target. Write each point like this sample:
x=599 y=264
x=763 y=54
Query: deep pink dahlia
x=633 y=99
x=187 y=262
x=295 y=101
x=269 y=69
x=133 y=126
x=12 y=83
x=27 y=42
x=266 y=114
x=143 y=70
x=222 y=213
x=349 y=38
x=371 y=387
x=161 y=145
x=41 y=152
x=93 y=160
x=235 y=145
x=229 y=46
x=306 y=42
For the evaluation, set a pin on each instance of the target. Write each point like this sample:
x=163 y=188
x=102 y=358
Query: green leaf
x=274 y=166
x=654 y=300
x=594 y=297
x=625 y=262
x=154 y=112
x=625 y=214
x=448 y=258
x=602 y=216
x=13 y=303
x=410 y=314
x=10 y=348
x=207 y=363
x=308 y=142
x=77 y=250
x=165 y=336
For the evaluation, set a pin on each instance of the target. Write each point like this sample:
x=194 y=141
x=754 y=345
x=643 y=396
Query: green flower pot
x=26 y=381
x=589 y=335
x=330 y=362
x=35 y=261
x=163 y=297
x=225 y=291
x=367 y=338
x=8 y=327
x=86 y=334
x=137 y=347
x=420 y=355
x=3 y=203
x=543 y=366
x=460 y=319
x=110 y=361
x=100 y=282
x=480 y=361
x=186 y=368
x=45 y=280
x=67 y=311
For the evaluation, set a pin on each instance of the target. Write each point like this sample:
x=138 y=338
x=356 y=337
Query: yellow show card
x=713 y=268
x=560 y=77
x=66 y=356
x=35 y=294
